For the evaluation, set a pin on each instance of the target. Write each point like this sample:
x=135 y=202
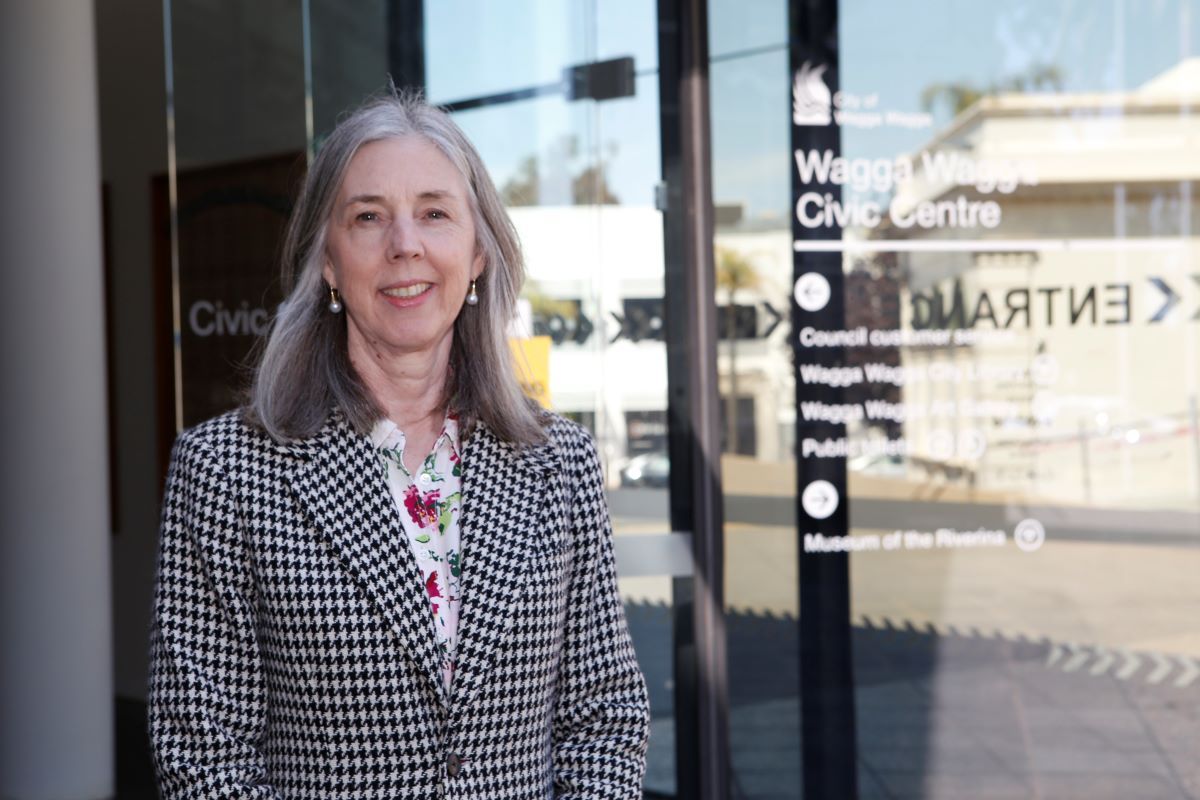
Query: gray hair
x=304 y=369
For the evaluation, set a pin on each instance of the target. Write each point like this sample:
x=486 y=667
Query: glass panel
x=579 y=179
x=1020 y=427
x=257 y=86
x=753 y=259
x=239 y=139
x=1018 y=206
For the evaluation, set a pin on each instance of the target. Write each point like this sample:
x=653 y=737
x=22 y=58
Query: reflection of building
x=603 y=307
x=1083 y=384
x=760 y=354
x=610 y=369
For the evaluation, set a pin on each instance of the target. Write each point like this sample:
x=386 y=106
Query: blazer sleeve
x=602 y=716
x=207 y=701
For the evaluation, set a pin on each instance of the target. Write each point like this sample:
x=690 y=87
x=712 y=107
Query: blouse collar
x=388 y=434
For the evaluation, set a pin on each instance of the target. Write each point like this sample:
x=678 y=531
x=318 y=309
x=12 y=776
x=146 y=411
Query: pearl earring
x=335 y=302
x=472 y=297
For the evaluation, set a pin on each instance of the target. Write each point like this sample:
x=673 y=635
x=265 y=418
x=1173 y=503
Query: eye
x=436 y=213
x=367 y=216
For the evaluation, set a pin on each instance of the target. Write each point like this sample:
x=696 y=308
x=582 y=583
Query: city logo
x=812 y=102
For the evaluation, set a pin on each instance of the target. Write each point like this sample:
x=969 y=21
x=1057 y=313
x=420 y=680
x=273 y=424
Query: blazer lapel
x=504 y=491
x=342 y=488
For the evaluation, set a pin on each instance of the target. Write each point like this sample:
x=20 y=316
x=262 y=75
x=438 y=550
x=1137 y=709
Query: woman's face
x=400 y=248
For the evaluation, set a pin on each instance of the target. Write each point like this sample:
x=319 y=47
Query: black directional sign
x=641 y=320
x=775 y=318
x=826 y=688
x=568 y=324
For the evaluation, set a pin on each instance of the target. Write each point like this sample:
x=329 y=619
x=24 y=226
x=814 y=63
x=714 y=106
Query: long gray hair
x=304 y=369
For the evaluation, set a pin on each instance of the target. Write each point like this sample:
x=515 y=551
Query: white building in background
x=1088 y=286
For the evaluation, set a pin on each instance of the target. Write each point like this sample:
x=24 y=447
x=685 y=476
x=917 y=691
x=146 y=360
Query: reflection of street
x=1067 y=672
x=1112 y=595
x=1104 y=589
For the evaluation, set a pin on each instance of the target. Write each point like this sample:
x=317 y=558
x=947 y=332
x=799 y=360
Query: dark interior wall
x=129 y=40
x=240 y=94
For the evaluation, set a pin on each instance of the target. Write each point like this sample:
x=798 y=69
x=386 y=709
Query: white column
x=56 y=697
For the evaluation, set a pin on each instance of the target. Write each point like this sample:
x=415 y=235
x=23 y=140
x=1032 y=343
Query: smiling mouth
x=408 y=291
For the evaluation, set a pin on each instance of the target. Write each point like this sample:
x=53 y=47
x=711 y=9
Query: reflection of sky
x=481 y=48
x=1096 y=46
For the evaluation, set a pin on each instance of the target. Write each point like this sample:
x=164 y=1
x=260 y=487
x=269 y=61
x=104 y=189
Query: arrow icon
x=1102 y=663
x=1056 y=652
x=1191 y=670
x=1130 y=666
x=812 y=291
x=583 y=329
x=627 y=328
x=1171 y=301
x=819 y=499
x=1077 y=659
x=777 y=318
x=1161 y=670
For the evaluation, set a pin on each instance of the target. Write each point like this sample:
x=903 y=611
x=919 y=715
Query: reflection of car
x=647 y=469
x=877 y=465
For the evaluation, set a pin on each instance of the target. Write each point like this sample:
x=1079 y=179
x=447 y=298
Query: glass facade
x=1006 y=390
x=957 y=350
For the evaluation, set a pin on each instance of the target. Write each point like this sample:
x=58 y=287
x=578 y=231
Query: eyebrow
x=429 y=194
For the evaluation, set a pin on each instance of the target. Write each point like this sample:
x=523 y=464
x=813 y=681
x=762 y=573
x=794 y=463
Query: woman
x=391 y=575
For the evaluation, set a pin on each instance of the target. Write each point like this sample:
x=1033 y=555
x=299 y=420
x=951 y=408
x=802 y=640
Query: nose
x=404 y=240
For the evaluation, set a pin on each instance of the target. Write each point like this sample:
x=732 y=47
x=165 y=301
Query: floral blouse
x=430 y=504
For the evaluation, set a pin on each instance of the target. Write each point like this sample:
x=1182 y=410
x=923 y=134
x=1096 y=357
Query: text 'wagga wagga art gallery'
x=815 y=209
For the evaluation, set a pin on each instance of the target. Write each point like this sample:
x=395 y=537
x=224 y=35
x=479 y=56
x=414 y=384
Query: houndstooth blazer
x=291 y=650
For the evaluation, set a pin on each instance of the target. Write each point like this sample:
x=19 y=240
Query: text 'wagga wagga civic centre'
x=938 y=170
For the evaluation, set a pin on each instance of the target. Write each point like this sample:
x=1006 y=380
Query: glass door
x=562 y=101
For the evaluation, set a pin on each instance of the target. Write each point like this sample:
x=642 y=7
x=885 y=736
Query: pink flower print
x=422 y=509
x=431 y=585
x=431 y=588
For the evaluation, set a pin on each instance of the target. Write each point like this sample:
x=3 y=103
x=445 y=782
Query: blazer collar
x=505 y=499
x=341 y=484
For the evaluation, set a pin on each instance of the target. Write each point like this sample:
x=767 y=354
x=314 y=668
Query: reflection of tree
x=522 y=188
x=961 y=95
x=873 y=301
x=733 y=273
x=542 y=305
x=588 y=183
x=590 y=187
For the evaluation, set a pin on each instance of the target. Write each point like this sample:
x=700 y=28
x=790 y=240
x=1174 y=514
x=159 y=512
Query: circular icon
x=1029 y=535
x=941 y=445
x=812 y=291
x=819 y=499
x=1044 y=370
x=971 y=444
